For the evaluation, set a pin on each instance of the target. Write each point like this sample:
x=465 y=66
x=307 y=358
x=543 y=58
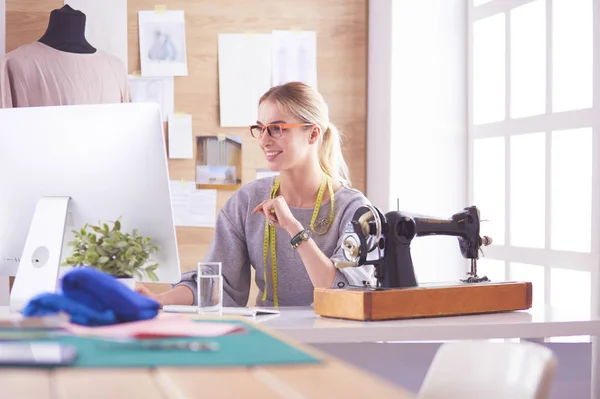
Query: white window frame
x=546 y=257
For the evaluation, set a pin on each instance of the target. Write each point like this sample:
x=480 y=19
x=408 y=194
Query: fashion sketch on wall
x=162 y=43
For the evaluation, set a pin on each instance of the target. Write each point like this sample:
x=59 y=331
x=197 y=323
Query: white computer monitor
x=62 y=167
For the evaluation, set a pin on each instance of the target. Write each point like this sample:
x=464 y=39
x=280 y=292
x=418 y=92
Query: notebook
x=16 y=321
x=228 y=311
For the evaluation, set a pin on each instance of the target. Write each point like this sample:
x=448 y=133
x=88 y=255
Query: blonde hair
x=308 y=106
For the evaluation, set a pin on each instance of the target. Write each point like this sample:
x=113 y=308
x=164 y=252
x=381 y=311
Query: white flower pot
x=127 y=281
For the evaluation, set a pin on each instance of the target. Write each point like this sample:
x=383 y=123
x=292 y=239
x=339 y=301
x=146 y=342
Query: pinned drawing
x=162 y=43
x=158 y=90
x=294 y=57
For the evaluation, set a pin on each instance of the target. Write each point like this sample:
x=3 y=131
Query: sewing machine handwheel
x=372 y=223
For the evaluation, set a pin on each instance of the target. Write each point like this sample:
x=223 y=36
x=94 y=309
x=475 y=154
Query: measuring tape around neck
x=325 y=181
x=270 y=233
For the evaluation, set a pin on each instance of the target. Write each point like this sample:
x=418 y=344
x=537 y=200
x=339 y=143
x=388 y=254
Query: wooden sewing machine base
x=427 y=300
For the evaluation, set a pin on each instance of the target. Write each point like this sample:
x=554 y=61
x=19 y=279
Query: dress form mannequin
x=62 y=68
x=66 y=31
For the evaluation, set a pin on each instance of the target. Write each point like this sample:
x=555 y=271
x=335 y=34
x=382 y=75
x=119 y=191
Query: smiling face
x=295 y=145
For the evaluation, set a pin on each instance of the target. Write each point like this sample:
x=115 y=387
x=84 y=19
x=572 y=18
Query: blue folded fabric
x=100 y=291
x=46 y=304
x=92 y=297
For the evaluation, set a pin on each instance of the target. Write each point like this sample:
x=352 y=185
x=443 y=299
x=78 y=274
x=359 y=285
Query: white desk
x=302 y=324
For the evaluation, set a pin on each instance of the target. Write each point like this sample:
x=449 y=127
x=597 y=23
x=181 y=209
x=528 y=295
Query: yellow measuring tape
x=270 y=239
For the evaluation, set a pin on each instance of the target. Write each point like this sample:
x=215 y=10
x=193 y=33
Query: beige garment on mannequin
x=38 y=75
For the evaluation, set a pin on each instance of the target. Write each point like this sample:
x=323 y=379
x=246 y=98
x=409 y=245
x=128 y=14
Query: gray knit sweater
x=238 y=243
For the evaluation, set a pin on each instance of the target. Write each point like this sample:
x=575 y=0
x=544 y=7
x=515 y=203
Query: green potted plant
x=108 y=249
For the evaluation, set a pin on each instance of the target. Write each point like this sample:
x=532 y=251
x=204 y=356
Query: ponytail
x=331 y=157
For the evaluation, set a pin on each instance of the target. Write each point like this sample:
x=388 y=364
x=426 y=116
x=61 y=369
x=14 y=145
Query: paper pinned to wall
x=181 y=137
x=162 y=43
x=2 y=27
x=105 y=25
x=160 y=90
x=294 y=57
x=192 y=207
x=262 y=173
x=244 y=76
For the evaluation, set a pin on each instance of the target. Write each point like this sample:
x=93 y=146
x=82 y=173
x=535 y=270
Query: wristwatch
x=299 y=238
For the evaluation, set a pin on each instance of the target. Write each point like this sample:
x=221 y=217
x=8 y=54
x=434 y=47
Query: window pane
x=527 y=190
x=571 y=190
x=571 y=289
x=480 y=2
x=535 y=275
x=489 y=185
x=488 y=70
x=492 y=268
x=528 y=59
x=572 y=27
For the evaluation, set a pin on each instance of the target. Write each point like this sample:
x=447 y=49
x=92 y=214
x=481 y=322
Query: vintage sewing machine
x=372 y=238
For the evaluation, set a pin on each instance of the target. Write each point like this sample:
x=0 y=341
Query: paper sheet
x=244 y=76
x=160 y=90
x=106 y=25
x=295 y=57
x=260 y=173
x=192 y=207
x=162 y=43
x=181 y=142
x=2 y=27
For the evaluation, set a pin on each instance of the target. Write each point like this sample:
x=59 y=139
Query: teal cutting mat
x=251 y=348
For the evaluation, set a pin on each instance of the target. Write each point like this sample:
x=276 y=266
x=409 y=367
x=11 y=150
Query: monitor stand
x=40 y=261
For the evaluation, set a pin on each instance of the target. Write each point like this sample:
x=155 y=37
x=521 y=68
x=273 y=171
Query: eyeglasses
x=275 y=130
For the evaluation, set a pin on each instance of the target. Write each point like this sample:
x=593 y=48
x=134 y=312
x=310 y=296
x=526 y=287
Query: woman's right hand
x=142 y=289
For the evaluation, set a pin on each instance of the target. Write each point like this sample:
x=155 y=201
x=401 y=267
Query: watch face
x=305 y=235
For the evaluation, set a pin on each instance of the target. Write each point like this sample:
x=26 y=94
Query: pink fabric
x=162 y=326
x=38 y=75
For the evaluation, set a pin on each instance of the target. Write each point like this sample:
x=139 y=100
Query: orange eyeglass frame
x=281 y=127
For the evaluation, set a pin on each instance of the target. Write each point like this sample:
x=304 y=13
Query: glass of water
x=210 y=287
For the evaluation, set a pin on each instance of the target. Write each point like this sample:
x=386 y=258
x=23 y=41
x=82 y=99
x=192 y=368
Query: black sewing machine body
x=372 y=238
x=389 y=237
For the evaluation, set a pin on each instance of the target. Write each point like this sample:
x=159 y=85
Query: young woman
x=289 y=228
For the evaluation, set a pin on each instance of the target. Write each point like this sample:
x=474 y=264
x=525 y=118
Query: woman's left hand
x=278 y=212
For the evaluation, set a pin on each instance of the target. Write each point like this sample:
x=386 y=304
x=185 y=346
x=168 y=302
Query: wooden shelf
x=225 y=187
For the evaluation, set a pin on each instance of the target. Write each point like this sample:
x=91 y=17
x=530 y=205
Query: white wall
x=379 y=105
x=417 y=129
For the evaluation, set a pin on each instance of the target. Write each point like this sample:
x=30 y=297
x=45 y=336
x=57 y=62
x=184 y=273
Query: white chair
x=490 y=370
